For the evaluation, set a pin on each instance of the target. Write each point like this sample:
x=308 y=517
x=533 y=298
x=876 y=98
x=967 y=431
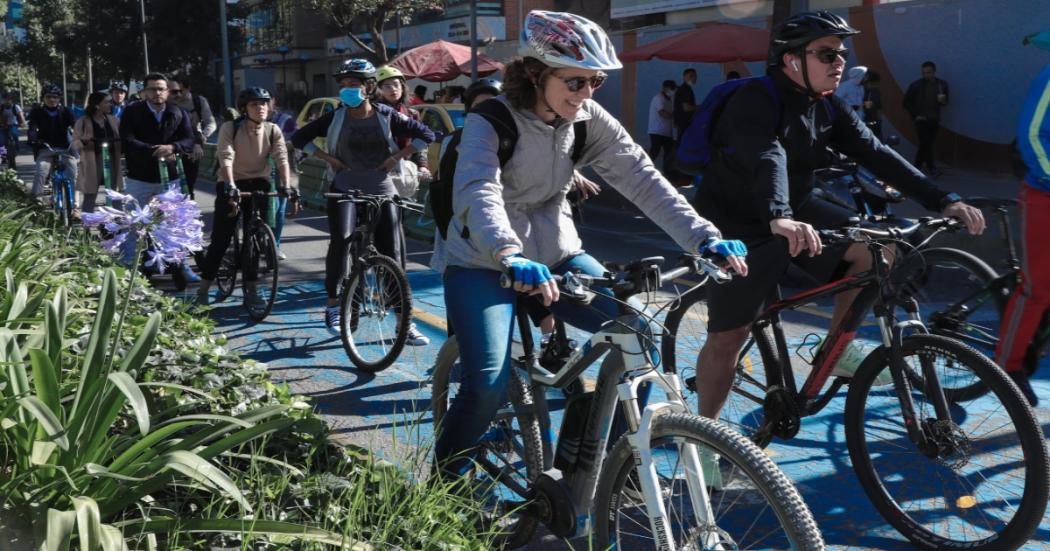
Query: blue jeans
x=278 y=224
x=482 y=316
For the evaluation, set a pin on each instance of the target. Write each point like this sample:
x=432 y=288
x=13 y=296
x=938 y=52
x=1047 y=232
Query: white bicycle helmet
x=560 y=39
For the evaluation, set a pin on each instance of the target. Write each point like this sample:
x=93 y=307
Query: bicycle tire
x=261 y=250
x=376 y=290
x=949 y=276
x=520 y=431
x=226 y=275
x=686 y=325
x=783 y=504
x=950 y=503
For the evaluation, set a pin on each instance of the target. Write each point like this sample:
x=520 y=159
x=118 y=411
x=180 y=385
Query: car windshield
x=457 y=116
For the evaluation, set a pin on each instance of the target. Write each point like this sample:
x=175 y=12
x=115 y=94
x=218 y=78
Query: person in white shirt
x=661 y=129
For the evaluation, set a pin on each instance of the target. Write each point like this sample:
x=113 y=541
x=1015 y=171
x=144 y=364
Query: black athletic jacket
x=765 y=157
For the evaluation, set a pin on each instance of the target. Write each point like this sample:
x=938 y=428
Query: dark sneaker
x=1021 y=380
x=332 y=320
x=202 y=297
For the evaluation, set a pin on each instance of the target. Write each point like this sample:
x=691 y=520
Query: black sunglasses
x=827 y=56
x=575 y=84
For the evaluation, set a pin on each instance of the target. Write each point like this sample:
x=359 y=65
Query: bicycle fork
x=639 y=435
x=893 y=339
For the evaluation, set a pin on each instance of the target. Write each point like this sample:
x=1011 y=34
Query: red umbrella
x=440 y=61
x=717 y=43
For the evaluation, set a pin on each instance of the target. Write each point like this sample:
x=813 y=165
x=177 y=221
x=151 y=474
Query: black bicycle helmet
x=118 y=85
x=800 y=29
x=252 y=94
x=481 y=86
x=51 y=90
x=359 y=68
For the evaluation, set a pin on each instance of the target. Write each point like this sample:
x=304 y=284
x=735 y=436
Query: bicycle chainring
x=781 y=413
x=551 y=502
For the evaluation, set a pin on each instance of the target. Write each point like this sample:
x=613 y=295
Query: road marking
x=437 y=322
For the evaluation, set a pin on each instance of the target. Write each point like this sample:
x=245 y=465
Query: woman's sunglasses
x=575 y=84
x=827 y=56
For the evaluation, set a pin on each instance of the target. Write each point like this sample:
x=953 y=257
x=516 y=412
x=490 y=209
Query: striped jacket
x=1033 y=132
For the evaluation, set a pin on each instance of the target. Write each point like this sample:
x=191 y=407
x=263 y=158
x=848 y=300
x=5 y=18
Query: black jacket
x=53 y=130
x=683 y=95
x=140 y=132
x=765 y=158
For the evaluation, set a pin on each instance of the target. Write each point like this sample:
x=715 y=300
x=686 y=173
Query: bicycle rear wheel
x=757 y=507
x=375 y=312
x=960 y=298
x=984 y=486
x=510 y=453
x=226 y=276
x=260 y=256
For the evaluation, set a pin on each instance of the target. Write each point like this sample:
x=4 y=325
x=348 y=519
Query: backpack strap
x=498 y=115
x=579 y=129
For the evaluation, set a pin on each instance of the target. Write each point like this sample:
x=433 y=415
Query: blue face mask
x=352 y=97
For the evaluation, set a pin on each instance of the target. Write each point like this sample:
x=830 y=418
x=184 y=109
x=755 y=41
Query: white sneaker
x=281 y=255
x=332 y=320
x=415 y=337
x=850 y=361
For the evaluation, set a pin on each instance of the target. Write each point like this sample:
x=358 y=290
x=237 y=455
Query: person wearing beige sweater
x=245 y=147
x=97 y=127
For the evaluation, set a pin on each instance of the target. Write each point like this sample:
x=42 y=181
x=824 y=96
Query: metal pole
x=473 y=40
x=145 y=49
x=91 y=76
x=65 y=94
x=226 y=70
x=399 y=33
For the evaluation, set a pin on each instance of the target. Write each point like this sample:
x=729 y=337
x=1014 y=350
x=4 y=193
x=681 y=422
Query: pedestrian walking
x=661 y=130
x=202 y=121
x=97 y=129
x=923 y=101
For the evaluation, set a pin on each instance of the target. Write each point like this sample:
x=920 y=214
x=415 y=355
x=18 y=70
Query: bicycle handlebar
x=636 y=277
x=857 y=234
x=356 y=196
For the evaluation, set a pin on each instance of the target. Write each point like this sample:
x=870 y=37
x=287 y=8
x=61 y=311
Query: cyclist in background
x=361 y=151
x=98 y=126
x=1031 y=299
x=11 y=118
x=245 y=148
x=758 y=188
x=50 y=123
x=391 y=89
x=118 y=94
x=514 y=218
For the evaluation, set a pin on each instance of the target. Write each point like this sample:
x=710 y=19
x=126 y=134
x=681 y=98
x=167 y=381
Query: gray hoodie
x=524 y=204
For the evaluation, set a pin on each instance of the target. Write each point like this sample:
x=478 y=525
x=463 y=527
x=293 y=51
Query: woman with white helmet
x=514 y=218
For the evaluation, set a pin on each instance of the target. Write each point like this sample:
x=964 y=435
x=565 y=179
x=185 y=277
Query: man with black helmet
x=51 y=124
x=758 y=186
x=118 y=93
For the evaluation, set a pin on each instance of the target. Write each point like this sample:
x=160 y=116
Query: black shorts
x=737 y=303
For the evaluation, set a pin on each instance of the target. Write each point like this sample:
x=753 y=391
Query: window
x=432 y=119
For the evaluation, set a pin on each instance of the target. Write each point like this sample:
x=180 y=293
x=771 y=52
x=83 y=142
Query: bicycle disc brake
x=781 y=413
x=949 y=444
x=551 y=502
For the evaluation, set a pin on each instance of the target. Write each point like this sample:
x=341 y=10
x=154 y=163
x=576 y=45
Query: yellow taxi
x=313 y=110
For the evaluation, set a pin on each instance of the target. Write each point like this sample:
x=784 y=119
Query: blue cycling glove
x=724 y=247
x=525 y=271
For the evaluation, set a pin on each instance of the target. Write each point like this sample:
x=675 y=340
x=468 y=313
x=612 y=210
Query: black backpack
x=499 y=116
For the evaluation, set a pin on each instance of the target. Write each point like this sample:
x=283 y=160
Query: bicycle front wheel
x=376 y=310
x=980 y=483
x=755 y=506
x=960 y=297
x=226 y=277
x=260 y=260
x=510 y=454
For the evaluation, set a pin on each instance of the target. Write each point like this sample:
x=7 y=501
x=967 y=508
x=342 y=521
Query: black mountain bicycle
x=947 y=471
x=375 y=299
x=253 y=252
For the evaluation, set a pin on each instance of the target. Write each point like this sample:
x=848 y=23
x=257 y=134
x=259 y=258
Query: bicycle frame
x=877 y=295
x=620 y=337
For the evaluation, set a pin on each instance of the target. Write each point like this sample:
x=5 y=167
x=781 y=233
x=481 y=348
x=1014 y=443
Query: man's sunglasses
x=575 y=84
x=827 y=56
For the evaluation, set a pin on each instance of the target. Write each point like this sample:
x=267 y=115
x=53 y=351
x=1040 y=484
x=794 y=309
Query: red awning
x=715 y=43
x=440 y=61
